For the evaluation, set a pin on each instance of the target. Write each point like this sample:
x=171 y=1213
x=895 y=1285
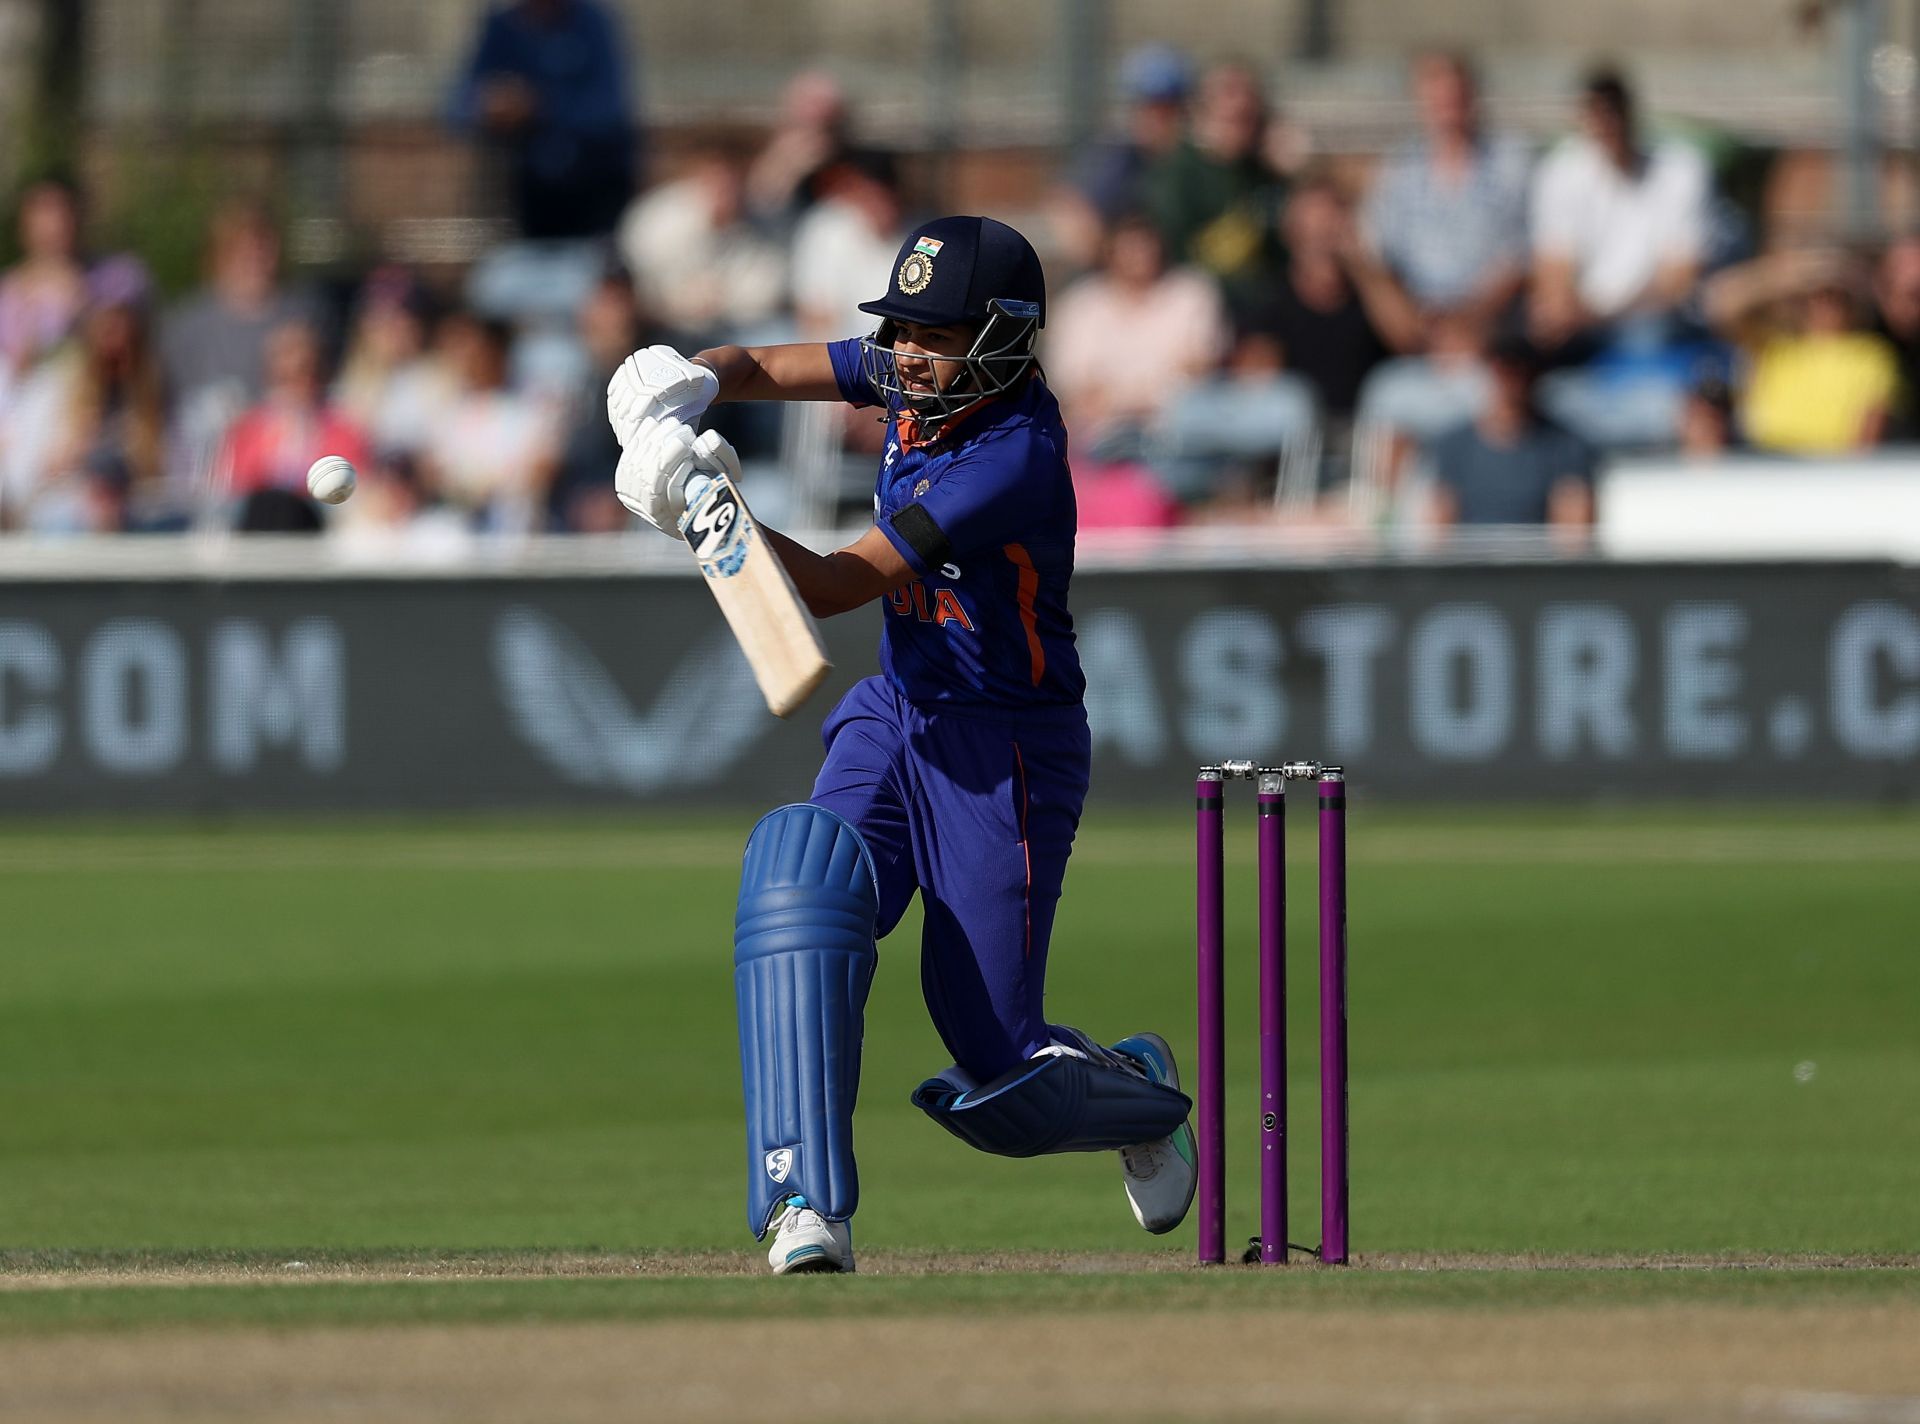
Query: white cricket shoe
x=1160 y=1175
x=807 y=1241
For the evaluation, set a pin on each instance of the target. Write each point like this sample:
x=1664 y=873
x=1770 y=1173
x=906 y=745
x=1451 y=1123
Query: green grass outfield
x=1574 y=1036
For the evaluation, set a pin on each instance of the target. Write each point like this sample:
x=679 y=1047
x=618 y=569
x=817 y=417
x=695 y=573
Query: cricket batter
x=958 y=772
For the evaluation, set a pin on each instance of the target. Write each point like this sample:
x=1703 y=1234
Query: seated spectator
x=1409 y=402
x=1215 y=196
x=1896 y=293
x=844 y=247
x=389 y=385
x=493 y=455
x=610 y=325
x=43 y=294
x=213 y=343
x=696 y=259
x=1619 y=228
x=1123 y=342
x=273 y=444
x=1336 y=312
x=547 y=84
x=1511 y=466
x=1427 y=395
x=84 y=444
x=277 y=511
x=1226 y=440
x=1819 y=383
x=1105 y=182
x=807 y=140
x=1448 y=212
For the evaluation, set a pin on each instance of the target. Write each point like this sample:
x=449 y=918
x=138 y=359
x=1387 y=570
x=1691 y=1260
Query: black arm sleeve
x=925 y=537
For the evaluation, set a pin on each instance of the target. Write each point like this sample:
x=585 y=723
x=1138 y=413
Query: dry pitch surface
x=1221 y=1356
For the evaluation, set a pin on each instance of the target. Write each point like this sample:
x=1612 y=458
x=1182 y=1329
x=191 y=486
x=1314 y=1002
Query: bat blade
x=772 y=626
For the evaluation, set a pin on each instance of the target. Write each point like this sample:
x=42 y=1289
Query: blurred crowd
x=1461 y=332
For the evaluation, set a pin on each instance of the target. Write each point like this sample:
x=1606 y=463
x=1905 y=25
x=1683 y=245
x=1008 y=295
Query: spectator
x=1619 y=228
x=1448 y=213
x=1106 y=182
x=610 y=325
x=1510 y=465
x=1124 y=341
x=388 y=512
x=1897 y=320
x=547 y=83
x=1156 y=80
x=493 y=457
x=1819 y=384
x=85 y=442
x=1215 y=196
x=697 y=260
x=42 y=295
x=212 y=344
x=844 y=248
x=1429 y=394
x=388 y=384
x=272 y=445
x=277 y=511
x=1336 y=313
x=808 y=139
x=1409 y=402
x=1251 y=424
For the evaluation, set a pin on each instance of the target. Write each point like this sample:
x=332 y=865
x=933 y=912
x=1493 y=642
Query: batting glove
x=657 y=383
x=665 y=466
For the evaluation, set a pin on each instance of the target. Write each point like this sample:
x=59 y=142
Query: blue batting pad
x=1054 y=1104
x=803 y=957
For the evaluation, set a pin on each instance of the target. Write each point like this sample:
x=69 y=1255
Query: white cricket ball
x=331 y=479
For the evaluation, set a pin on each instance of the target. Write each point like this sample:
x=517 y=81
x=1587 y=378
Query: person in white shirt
x=697 y=261
x=1619 y=229
x=494 y=454
x=844 y=248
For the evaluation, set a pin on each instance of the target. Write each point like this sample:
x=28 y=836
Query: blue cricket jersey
x=985 y=515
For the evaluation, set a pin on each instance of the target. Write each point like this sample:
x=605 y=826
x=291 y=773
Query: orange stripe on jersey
x=1029 y=586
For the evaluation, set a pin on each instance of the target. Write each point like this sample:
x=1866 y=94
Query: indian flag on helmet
x=928 y=245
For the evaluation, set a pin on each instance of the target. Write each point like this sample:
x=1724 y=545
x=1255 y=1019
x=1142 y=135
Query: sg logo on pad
x=780 y=1163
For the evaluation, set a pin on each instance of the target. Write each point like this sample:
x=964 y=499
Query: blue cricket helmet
x=960 y=271
x=951 y=271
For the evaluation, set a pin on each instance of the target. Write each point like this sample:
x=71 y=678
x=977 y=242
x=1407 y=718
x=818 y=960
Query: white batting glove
x=665 y=466
x=657 y=383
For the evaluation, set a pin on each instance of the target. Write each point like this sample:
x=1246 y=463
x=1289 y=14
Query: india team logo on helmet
x=916 y=274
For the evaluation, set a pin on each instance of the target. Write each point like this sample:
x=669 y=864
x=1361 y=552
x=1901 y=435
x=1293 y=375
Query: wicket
x=1270 y=1246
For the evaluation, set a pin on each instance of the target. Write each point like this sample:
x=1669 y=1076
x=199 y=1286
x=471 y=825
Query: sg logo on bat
x=717 y=529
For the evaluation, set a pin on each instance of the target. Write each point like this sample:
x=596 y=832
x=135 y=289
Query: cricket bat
x=771 y=624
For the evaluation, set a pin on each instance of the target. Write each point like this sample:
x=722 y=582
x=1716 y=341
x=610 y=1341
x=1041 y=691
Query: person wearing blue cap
x=1155 y=81
x=958 y=772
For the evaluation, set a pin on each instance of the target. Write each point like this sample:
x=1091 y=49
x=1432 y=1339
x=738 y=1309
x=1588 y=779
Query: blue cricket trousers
x=978 y=814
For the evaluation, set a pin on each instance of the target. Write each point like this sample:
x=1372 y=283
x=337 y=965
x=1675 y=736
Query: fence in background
x=1432 y=681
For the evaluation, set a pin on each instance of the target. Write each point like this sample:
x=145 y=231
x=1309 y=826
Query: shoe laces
x=1142 y=1159
x=795 y=1216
